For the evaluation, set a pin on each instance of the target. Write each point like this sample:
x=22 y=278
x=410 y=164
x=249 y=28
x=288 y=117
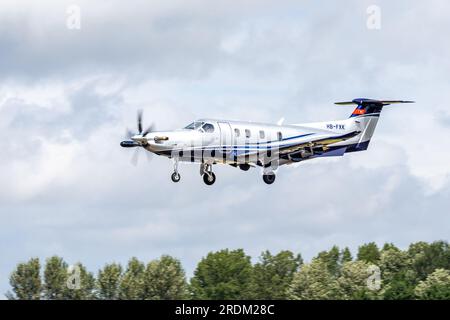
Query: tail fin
x=369 y=106
x=367 y=113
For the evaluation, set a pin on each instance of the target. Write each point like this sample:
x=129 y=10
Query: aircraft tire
x=269 y=178
x=209 y=180
x=176 y=177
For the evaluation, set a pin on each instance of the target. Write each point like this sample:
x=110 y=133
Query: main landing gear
x=269 y=178
x=208 y=176
x=175 y=175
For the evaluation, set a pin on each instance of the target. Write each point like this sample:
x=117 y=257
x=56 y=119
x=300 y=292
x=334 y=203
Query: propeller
x=139 y=121
x=137 y=139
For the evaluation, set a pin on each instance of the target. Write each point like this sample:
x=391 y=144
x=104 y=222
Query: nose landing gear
x=176 y=177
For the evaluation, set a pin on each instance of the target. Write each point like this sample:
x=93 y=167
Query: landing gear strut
x=208 y=176
x=269 y=178
x=175 y=175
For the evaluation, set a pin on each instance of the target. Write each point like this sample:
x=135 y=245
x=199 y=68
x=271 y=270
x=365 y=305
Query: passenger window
x=280 y=136
x=247 y=133
x=208 y=127
x=237 y=133
x=262 y=134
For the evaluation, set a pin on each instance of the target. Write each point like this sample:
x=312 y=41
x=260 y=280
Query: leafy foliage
x=80 y=283
x=273 y=274
x=436 y=286
x=398 y=277
x=222 y=275
x=132 y=284
x=420 y=272
x=353 y=282
x=108 y=281
x=164 y=279
x=26 y=281
x=55 y=278
x=369 y=253
x=428 y=257
x=314 y=282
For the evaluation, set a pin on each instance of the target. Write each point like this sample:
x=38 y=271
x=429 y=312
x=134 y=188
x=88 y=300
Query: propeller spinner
x=137 y=139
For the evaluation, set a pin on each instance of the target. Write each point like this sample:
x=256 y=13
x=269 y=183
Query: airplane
x=245 y=145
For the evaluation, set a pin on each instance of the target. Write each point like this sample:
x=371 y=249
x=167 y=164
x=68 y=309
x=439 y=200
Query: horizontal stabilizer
x=369 y=106
x=363 y=101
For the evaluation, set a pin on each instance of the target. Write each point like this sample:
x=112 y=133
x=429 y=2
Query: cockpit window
x=208 y=127
x=194 y=125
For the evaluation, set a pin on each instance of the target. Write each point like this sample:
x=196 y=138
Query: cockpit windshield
x=194 y=125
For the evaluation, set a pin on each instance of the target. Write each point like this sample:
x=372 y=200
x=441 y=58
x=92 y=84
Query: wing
x=307 y=144
x=315 y=141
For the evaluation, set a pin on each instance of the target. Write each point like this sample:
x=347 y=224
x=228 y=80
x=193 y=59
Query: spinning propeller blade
x=134 y=141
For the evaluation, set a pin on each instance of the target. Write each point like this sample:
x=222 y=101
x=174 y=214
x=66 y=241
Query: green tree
x=369 y=253
x=273 y=274
x=64 y=283
x=331 y=259
x=389 y=246
x=398 y=278
x=353 y=282
x=435 y=287
x=165 y=279
x=222 y=275
x=55 y=278
x=313 y=282
x=108 y=281
x=26 y=281
x=346 y=256
x=80 y=283
x=426 y=258
x=132 y=284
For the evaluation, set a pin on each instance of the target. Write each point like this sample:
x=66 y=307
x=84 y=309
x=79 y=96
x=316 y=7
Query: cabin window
x=280 y=136
x=247 y=133
x=262 y=135
x=208 y=127
x=237 y=133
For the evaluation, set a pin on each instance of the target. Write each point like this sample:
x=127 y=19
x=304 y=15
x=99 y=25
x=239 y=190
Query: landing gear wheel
x=269 y=178
x=176 y=177
x=209 y=178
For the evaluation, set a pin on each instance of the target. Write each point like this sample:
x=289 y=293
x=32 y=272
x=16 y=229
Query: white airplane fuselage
x=242 y=142
x=246 y=144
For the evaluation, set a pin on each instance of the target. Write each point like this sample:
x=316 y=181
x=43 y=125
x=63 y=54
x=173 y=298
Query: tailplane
x=369 y=106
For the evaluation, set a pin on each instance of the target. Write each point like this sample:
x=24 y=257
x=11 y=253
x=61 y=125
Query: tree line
x=422 y=271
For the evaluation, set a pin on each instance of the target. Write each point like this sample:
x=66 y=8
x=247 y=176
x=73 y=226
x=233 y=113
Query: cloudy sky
x=67 y=95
